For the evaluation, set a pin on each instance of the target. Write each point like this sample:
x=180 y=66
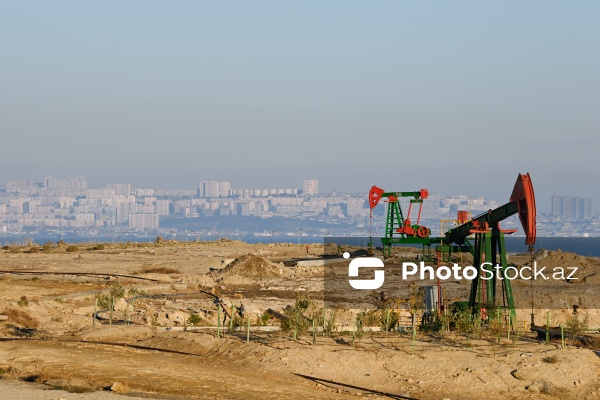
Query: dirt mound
x=560 y=258
x=252 y=266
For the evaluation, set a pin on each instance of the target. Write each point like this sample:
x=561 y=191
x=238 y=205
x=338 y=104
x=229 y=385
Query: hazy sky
x=453 y=96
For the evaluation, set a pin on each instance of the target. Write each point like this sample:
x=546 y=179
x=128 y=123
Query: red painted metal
x=525 y=198
x=374 y=196
x=424 y=194
x=422 y=231
x=463 y=216
x=407 y=228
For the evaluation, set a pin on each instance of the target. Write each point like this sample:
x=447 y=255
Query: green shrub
x=194 y=319
x=23 y=302
x=294 y=316
x=263 y=319
x=115 y=293
x=576 y=325
x=48 y=247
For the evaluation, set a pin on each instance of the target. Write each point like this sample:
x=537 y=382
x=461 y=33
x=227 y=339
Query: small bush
x=576 y=325
x=388 y=319
x=115 y=293
x=294 y=316
x=34 y=249
x=23 y=302
x=72 y=248
x=359 y=331
x=494 y=329
x=263 y=319
x=194 y=319
x=99 y=247
x=48 y=247
x=329 y=321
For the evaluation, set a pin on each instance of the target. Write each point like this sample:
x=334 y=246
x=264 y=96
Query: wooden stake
x=414 y=334
x=219 y=321
x=112 y=307
x=94 y=315
x=231 y=319
x=547 y=327
x=248 y=330
x=132 y=306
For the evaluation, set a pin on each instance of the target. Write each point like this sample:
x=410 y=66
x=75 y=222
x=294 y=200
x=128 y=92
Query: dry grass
x=158 y=270
x=21 y=318
x=551 y=359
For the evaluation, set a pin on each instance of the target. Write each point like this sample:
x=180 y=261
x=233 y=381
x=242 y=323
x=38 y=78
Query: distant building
x=25 y=187
x=567 y=207
x=120 y=189
x=162 y=207
x=310 y=186
x=144 y=192
x=224 y=188
x=143 y=221
x=77 y=182
x=214 y=189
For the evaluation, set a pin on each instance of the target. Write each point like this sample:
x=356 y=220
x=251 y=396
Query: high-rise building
x=214 y=189
x=121 y=189
x=310 y=186
x=143 y=221
x=162 y=207
x=77 y=182
x=568 y=207
x=224 y=188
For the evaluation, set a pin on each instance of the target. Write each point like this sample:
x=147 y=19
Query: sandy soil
x=52 y=342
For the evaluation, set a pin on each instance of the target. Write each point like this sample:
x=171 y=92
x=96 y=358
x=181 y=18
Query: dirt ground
x=163 y=341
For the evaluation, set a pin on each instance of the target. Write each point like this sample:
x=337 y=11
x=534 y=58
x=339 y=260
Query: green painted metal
x=490 y=248
x=395 y=219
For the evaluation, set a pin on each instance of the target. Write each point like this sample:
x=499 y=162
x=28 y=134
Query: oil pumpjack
x=481 y=236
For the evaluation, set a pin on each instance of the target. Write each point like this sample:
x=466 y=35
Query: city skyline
x=563 y=205
x=57 y=205
x=545 y=201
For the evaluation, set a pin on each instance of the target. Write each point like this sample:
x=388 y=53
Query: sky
x=457 y=97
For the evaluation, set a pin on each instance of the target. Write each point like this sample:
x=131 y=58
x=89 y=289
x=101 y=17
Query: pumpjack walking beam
x=490 y=248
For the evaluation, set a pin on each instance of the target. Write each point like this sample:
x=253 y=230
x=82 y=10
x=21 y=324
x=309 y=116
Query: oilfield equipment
x=480 y=236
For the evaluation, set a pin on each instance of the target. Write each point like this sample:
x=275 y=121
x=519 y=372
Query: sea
x=585 y=246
